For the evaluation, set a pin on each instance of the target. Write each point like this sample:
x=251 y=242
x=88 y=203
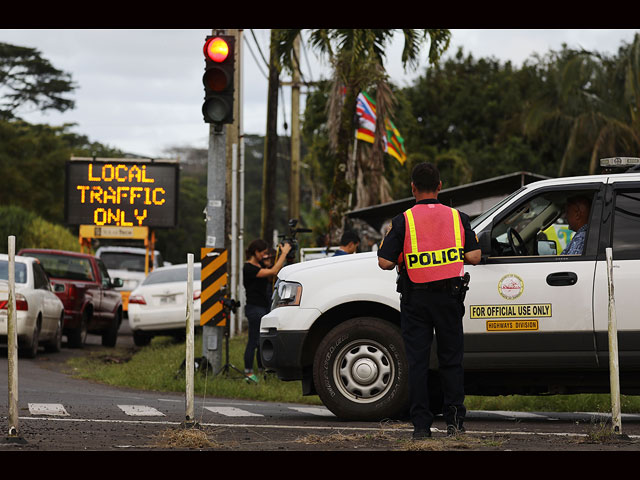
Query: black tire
x=77 y=336
x=55 y=345
x=110 y=337
x=141 y=339
x=360 y=370
x=31 y=350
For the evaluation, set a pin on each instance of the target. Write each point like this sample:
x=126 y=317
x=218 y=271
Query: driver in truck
x=577 y=213
x=431 y=243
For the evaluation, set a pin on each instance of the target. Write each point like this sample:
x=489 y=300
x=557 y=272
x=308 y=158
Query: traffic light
x=219 y=58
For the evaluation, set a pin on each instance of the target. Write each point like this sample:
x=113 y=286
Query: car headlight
x=286 y=294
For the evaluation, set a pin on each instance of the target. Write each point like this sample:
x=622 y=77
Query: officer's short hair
x=426 y=177
x=349 y=236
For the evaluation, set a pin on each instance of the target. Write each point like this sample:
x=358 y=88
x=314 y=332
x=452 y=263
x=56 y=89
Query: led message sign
x=121 y=192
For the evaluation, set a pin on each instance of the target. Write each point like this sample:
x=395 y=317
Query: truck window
x=536 y=226
x=626 y=225
x=123 y=261
x=106 y=280
x=65 y=266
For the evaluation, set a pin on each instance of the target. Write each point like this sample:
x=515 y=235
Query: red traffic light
x=216 y=49
x=218 y=79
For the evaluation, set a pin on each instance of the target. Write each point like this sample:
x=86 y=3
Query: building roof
x=471 y=198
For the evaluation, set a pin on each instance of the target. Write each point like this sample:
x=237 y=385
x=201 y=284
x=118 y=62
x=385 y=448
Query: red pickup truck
x=91 y=303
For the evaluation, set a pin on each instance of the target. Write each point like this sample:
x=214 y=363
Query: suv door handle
x=562 y=278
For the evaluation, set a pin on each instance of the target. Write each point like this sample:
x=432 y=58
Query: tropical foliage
x=474 y=117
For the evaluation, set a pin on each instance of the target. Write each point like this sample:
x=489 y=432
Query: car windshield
x=171 y=275
x=124 y=261
x=63 y=266
x=20 y=271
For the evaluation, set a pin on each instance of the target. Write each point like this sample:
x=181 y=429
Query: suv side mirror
x=547 y=247
x=116 y=283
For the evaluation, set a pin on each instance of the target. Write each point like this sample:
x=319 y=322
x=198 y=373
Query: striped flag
x=393 y=141
x=366 y=111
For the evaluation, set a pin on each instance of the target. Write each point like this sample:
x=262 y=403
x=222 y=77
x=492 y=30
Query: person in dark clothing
x=430 y=243
x=256 y=277
x=348 y=243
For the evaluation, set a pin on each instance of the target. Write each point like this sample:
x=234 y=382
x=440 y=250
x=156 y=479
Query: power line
x=255 y=59
x=259 y=49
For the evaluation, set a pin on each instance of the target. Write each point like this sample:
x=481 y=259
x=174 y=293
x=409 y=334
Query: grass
x=157 y=367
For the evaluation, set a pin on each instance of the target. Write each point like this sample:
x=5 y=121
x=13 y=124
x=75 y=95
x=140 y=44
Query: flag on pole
x=393 y=141
x=366 y=111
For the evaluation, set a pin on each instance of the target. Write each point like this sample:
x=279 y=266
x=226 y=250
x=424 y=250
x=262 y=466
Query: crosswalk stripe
x=140 y=411
x=232 y=412
x=47 y=409
x=322 y=412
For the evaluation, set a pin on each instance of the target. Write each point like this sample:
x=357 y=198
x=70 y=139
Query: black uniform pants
x=423 y=313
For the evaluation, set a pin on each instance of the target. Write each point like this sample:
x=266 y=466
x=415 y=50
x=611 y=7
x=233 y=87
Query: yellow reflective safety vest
x=433 y=243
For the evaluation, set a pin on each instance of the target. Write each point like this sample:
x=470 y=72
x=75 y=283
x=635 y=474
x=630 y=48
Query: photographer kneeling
x=256 y=278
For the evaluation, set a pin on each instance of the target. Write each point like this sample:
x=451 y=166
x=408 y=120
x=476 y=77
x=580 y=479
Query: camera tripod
x=229 y=305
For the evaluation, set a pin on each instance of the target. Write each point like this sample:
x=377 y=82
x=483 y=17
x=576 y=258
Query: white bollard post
x=189 y=362
x=12 y=341
x=614 y=376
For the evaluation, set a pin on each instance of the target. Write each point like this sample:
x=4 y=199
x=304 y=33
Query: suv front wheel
x=360 y=370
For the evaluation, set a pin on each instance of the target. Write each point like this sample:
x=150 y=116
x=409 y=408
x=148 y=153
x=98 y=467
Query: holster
x=403 y=285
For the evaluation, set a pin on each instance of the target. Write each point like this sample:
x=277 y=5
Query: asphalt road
x=60 y=413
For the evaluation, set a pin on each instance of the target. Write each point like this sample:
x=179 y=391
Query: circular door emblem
x=510 y=286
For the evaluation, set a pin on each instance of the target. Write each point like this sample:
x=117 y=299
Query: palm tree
x=588 y=104
x=356 y=57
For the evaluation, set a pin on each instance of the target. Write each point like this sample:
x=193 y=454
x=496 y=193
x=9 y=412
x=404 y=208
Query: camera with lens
x=291 y=238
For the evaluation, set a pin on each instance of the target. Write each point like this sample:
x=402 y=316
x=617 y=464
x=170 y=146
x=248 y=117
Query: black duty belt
x=437 y=286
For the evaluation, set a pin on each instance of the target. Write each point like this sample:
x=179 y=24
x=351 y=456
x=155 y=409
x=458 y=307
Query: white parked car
x=39 y=311
x=159 y=305
x=128 y=264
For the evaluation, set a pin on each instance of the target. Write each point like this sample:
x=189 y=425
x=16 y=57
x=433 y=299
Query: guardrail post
x=614 y=376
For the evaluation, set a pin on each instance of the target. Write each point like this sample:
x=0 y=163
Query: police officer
x=430 y=244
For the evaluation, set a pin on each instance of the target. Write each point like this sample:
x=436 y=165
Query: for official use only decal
x=502 y=318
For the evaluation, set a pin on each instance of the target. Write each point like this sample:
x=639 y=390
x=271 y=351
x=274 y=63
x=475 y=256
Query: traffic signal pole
x=218 y=80
x=215 y=231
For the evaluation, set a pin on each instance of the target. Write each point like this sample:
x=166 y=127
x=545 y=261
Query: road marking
x=322 y=412
x=308 y=427
x=232 y=412
x=47 y=409
x=140 y=411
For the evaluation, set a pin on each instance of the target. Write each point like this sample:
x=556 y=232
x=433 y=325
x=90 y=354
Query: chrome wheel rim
x=364 y=371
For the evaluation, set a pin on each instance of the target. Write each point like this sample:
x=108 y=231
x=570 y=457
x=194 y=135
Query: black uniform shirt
x=393 y=243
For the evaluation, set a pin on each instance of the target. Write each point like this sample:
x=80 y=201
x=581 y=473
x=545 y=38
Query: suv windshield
x=124 y=261
x=63 y=266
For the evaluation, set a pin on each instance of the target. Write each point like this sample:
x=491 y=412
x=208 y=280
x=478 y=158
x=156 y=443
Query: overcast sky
x=141 y=90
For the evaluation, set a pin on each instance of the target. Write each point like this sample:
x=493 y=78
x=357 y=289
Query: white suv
x=535 y=321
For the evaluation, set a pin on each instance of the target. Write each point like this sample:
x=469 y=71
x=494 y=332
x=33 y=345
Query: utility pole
x=294 y=193
x=270 y=148
x=234 y=241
